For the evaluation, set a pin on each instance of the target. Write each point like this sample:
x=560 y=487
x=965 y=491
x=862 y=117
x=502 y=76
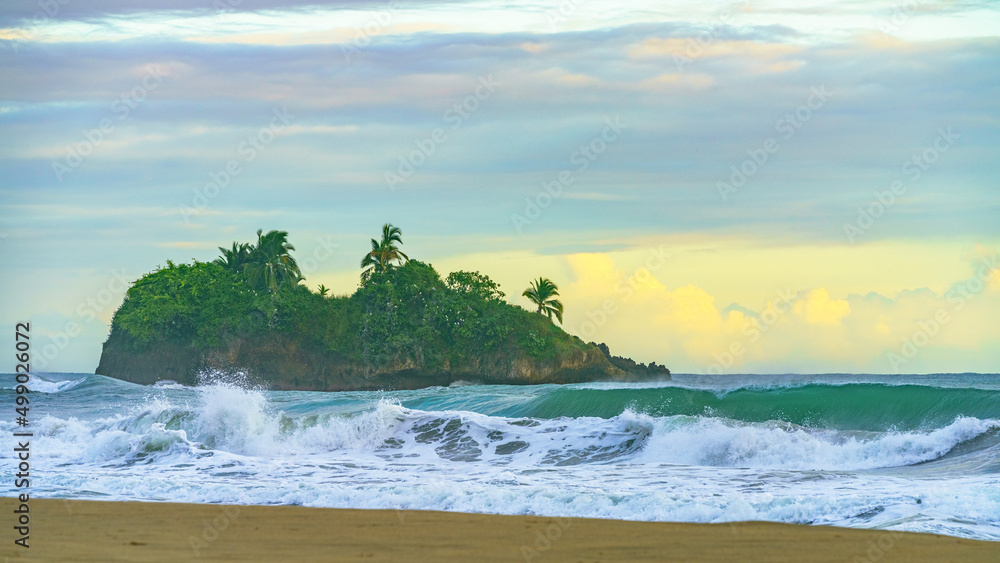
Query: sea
x=906 y=453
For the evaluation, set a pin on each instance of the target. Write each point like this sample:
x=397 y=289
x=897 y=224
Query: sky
x=721 y=187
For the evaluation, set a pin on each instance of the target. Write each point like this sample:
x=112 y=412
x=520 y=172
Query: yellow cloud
x=674 y=81
x=783 y=66
x=879 y=40
x=14 y=34
x=818 y=308
x=692 y=309
x=595 y=274
x=527 y=83
x=671 y=305
x=692 y=48
x=644 y=280
x=581 y=79
x=736 y=321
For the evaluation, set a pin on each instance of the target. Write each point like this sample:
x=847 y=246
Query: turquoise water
x=916 y=453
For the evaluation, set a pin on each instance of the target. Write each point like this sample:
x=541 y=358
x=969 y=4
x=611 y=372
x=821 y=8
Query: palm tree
x=543 y=293
x=384 y=252
x=323 y=290
x=236 y=258
x=271 y=264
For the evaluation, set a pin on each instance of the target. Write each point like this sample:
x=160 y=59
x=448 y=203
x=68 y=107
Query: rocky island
x=404 y=328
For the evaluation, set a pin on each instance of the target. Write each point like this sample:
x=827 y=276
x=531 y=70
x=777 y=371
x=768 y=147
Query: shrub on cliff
x=406 y=314
x=198 y=303
x=410 y=313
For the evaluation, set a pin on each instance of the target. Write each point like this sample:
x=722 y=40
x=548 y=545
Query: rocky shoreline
x=281 y=363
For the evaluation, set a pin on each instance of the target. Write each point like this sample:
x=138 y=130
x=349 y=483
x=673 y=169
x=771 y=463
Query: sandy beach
x=115 y=531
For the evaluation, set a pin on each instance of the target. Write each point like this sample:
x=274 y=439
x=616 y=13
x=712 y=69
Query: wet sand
x=116 y=531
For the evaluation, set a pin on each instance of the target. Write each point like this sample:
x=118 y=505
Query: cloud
x=818 y=308
x=794 y=331
x=673 y=81
x=690 y=48
x=578 y=248
x=14 y=13
x=318 y=129
x=597 y=196
x=687 y=129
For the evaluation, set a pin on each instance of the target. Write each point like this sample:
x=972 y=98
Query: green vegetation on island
x=405 y=326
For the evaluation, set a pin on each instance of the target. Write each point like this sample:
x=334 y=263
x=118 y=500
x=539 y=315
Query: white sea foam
x=38 y=384
x=224 y=443
x=717 y=442
x=169 y=384
x=237 y=421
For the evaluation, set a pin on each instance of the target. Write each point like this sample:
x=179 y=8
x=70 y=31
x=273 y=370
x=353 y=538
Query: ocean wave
x=169 y=384
x=39 y=384
x=704 y=441
x=870 y=406
x=668 y=453
x=229 y=419
x=225 y=443
x=42 y=384
x=222 y=418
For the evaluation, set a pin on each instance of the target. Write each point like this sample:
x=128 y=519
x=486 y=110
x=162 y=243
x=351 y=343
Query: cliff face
x=405 y=328
x=279 y=362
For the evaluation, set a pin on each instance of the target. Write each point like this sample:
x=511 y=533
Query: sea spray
x=905 y=454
